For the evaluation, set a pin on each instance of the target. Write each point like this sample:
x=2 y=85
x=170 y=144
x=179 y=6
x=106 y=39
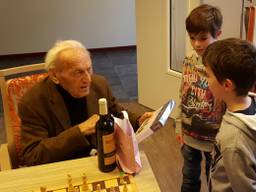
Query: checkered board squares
x=104 y=184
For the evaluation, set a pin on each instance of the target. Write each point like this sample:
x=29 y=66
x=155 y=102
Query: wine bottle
x=105 y=139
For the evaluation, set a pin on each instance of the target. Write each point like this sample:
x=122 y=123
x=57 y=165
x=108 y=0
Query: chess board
x=105 y=185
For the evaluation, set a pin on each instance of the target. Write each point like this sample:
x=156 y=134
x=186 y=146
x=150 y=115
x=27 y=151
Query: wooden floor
x=163 y=152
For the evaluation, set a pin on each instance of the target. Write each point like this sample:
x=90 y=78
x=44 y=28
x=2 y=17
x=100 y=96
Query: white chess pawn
x=85 y=187
x=70 y=185
x=125 y=189
x=98 y=188
x=122 y=180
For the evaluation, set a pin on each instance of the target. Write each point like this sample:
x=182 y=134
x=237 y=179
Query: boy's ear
x=53 y=76
x=219 y=33
x=228 y=85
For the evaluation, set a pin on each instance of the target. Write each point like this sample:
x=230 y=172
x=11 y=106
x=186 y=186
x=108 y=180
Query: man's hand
x=144 y=117
x=88 y=127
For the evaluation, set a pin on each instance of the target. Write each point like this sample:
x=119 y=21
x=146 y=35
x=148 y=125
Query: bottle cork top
x=103 y=106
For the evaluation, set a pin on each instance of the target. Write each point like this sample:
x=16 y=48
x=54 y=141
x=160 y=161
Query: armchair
x=14 y=83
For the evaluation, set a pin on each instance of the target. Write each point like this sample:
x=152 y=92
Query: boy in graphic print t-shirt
x=200 y=113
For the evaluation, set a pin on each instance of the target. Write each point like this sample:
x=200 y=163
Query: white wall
x=231 y=17
x=231 y=11
x=34 y=25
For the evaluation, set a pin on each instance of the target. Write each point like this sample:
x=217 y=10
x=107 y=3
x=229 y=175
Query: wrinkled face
x=73 y=72
x=217 y=89
x=201 y=41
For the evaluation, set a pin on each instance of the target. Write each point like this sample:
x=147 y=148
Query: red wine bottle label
x=109 y=149
x=110 y=160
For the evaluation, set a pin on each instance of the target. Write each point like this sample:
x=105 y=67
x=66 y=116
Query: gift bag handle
x=125 y=114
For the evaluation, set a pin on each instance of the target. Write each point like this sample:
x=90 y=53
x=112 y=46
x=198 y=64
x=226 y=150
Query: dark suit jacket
x=46 y=131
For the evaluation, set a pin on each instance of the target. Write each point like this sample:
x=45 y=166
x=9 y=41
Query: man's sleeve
x=38 y=147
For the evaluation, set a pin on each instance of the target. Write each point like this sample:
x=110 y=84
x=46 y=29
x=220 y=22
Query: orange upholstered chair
x=14 y=83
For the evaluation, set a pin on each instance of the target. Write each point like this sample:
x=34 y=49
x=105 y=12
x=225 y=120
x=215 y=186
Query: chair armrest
x=5 y=160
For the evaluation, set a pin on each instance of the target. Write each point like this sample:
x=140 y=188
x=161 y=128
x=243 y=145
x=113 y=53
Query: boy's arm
x=178 y=119
x=178 y=128
x=240 y=170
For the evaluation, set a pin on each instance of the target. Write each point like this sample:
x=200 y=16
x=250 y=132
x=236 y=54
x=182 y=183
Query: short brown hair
x=233 y=59
x=204 y=18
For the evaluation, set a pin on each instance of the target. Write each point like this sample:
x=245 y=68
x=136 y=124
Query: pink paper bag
x=128 y=156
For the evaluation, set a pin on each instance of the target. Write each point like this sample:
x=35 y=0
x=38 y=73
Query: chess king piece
x=105 y=138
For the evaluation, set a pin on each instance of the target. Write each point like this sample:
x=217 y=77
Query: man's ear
x=53 y=76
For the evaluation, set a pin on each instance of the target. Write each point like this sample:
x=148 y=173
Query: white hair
x=50 y=59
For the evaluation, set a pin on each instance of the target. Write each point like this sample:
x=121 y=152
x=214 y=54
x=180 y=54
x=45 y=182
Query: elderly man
x=58 y=115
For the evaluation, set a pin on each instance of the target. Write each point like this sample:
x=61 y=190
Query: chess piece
x=125 y=189
x=98 y=188
x=70 y=185
x=122 y=178
x=42 y=189
x=85 y=187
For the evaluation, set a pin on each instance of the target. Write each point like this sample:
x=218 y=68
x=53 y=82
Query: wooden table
x=55 y=174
